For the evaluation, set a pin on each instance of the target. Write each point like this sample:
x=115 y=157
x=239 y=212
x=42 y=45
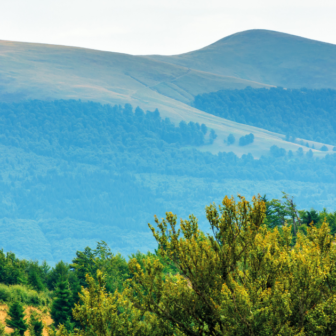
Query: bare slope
x=268 y=57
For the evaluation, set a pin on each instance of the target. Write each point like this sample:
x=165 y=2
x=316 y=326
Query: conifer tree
x=62 y=304
x=36 y=325
x=35 y=281
x=17 y=315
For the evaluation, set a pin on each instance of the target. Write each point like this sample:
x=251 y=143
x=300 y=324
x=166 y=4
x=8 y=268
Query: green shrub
x=23 y=294
x=4 y=293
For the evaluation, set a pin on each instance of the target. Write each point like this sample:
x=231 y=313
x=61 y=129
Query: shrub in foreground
x=244 y=279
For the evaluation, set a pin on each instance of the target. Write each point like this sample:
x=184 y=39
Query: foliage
x=303 y=113
x=277 y=152
x=35 y=325
x=2 y=330
x=246 y=139
x=16 y=318
x=62 y=303
x=231 y=139
x=103 y=313
x=101 y=258
x=73 y=171
x=21 y=293
x=243 y=280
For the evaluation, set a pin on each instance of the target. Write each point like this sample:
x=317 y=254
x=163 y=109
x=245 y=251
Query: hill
x=47 y=72
x=74 y=173
x=267 y=57
x=304 y=113
x=80 y=164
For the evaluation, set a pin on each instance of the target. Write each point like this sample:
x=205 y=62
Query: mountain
x=267 y=57
x=170 y=83
x=81 y=163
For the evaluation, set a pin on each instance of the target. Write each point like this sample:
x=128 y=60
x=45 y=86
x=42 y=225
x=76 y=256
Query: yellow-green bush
x=23 y=294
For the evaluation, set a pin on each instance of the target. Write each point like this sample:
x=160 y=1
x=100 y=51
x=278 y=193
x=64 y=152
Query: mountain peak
x=268 y=57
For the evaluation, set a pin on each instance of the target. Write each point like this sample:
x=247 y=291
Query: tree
x=2 y=330
x=17 y=315
x=309 y=154
x=83 y=264
x=310 y=217
x=212 y=136
x=246 y=139
x=36 y=325
x=62 y=303
x=277 y=152
x=231 y=139
x=243 y=279
x=300 y=152
x=35 y=280
x=324 y=148
x=59 y=272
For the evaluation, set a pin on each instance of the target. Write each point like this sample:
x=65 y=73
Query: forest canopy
x=73 y=171
x=264 y=268
x=303 y=113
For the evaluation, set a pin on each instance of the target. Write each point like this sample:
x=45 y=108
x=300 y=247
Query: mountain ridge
x=287 y=52
x=49 y=72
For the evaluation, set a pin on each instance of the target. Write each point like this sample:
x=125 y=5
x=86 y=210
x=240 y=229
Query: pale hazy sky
x=159 y=26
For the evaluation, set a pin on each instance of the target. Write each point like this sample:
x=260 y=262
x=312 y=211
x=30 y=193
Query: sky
x=164 y=27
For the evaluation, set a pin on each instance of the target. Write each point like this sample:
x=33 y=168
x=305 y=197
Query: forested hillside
x=297 y=113
x=73 y=173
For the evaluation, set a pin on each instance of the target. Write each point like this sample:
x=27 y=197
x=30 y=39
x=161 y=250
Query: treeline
x=59 y=287
x=118 y=140
x=82 y=189
x=302 y=113
x=99 y=282
x=53 y=128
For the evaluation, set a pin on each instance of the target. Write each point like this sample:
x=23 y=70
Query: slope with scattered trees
x=302 y=113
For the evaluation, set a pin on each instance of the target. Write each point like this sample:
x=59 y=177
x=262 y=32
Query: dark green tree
x=62 y=304
x=310 y=218
x=16 y=318
x=36 y=325
x=60 y=272
x=83 y=264
x=35 y=280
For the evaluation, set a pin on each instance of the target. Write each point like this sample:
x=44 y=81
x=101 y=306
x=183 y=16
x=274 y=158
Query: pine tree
x=62 y=304
x=16 y=321
x=35 y=280
x=36 y=325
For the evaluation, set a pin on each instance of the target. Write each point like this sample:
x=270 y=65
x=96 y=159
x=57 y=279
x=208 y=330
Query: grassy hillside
x=47 y=72
x=267 y=57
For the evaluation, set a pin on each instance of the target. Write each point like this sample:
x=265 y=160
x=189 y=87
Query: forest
x=298 y=113
x=68 y=177
x=119 y=140
x=214 y=276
